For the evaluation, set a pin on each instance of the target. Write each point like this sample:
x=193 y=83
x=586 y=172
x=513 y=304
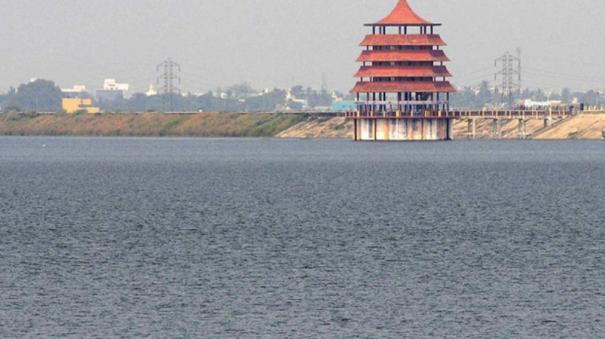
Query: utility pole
x=509 y=74
x=168 y=82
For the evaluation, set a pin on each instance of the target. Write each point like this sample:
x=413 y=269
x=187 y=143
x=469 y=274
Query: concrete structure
x=112 y=85
x=77 y=91
x=74 y=105
x=112 y=91
x=403 y=92
x=151 y=91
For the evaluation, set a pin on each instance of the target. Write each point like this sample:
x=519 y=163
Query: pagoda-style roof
x=403 y=71
x=404 y=86
x=402 y=56
x=403 y=40
x=403 y=63
x=403 y=15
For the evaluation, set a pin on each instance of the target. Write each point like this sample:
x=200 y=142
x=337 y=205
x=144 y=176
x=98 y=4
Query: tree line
x=45 y=96
x=486 y=96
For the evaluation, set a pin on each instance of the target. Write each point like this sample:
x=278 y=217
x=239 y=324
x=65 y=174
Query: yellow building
x=74 y=105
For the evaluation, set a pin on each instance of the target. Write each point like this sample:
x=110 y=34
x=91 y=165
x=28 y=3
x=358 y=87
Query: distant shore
x=586 y=126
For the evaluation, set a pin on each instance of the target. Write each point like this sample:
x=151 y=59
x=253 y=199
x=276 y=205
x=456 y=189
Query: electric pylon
x=510 y=75
x=168 y=82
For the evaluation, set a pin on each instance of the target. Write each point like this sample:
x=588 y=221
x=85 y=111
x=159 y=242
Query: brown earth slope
x=485 y=130
x=584 y=126
x=321 y=128
x=587 y=126
x=149 y=124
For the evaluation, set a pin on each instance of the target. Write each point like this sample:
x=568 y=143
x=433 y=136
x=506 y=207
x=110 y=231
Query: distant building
x=112 y=85
x=151 y=91
x=530 y=104
x=77 y=91
x=112 y=91
x=74 y=105
x=291 y=98
x=344 y=106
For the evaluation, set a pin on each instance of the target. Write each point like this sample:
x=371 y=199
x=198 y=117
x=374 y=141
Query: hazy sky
x=286 y=42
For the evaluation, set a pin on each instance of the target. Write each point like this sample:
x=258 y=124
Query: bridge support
x=497 y=128
x=472 y=128
x=522 y=129
x=438 y=125
x=402 y=129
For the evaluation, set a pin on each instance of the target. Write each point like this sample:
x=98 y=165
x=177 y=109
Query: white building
x=151 y=91
x=76 y=89
x=112 y=91
x=112 y=85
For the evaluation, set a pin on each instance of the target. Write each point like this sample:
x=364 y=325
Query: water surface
x=284 y=238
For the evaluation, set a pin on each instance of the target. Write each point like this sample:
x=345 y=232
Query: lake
x=217 y=238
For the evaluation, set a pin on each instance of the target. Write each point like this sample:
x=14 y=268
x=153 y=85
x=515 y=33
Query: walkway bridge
x=438 y=125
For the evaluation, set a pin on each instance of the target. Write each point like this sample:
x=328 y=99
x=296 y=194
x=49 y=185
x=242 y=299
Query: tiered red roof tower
x=403 y=72
x=403 y=65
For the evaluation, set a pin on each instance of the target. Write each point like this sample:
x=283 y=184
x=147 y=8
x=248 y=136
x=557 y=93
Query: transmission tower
x=168 y=81
x=509 y=73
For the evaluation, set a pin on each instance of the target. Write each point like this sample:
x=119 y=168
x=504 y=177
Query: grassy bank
x=149 y=124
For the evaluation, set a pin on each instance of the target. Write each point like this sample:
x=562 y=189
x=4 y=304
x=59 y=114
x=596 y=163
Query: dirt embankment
x=320 y=128
x=484 y=129
x=586 y=126
x=590 y=126
x=149 y=124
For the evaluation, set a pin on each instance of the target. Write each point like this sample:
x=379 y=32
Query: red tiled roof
x=403 y=14
x=403 y=71
x=403 y=40
x=404 y=86
x=406 y=55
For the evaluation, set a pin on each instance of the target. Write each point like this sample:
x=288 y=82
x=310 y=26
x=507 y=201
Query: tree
x=298 y=92
x=241 y=91
x=591 y=98
x=3 y=101
x=485 y=94
x=266 y=102
x=36 y=96
x=566 y=95
x=539 y=95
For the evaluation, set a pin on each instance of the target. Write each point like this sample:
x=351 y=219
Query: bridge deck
x=485 y=114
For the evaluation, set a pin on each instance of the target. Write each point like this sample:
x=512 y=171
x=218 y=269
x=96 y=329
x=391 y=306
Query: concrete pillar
x=522 y=129
x=495 y=128
x=449 y=123
x=472 y=128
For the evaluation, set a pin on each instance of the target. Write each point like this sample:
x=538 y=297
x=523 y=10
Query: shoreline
x=585 y=126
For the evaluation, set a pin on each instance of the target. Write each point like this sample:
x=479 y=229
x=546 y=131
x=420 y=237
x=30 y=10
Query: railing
x=466 y=114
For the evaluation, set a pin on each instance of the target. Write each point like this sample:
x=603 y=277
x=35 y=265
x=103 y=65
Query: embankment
x=320 y=128
x=149 y=124
x=586 y=126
